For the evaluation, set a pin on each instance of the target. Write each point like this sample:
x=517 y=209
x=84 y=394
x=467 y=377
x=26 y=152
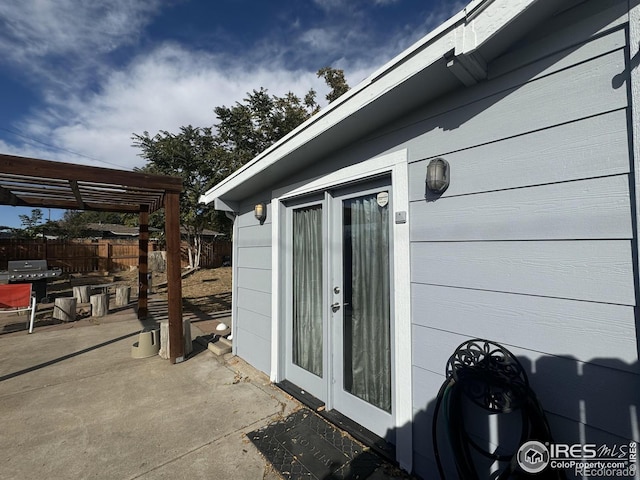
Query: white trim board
x=395 y=164
x=634 y=90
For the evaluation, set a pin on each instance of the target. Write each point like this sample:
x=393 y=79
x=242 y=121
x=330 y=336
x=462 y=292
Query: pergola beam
x=76 y=193
x=70 y=171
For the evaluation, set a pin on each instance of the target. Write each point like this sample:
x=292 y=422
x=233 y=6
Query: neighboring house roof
x=127 y=231
x=205 y=233
x=452 y=56
x=114 y=229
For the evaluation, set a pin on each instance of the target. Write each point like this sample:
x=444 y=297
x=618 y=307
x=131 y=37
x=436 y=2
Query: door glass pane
x=307 y=289
x=367 y=338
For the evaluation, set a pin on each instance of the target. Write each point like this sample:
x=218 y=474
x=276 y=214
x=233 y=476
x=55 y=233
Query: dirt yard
x=204 y=290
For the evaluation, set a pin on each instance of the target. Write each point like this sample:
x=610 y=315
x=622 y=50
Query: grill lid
x=27 y=265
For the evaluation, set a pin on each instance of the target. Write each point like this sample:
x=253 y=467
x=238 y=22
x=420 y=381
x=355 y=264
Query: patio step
x=220 y=347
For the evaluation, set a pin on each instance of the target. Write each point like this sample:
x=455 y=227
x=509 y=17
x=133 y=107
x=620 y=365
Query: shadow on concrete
x=66 y=357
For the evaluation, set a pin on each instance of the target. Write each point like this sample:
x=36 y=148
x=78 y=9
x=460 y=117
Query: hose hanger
x=490 y=376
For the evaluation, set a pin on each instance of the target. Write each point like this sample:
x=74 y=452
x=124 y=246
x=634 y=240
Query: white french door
x=306 y=361
x=339 y=336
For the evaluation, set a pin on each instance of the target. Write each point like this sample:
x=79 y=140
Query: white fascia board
x=485 y=19
x=481 y=16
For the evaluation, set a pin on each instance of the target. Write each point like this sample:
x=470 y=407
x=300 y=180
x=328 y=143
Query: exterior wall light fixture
x=260 y=211
x=438 y=175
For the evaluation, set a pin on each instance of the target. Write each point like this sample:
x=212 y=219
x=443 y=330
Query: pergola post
x=174 y=278
x=33 y=182
x=143 y=263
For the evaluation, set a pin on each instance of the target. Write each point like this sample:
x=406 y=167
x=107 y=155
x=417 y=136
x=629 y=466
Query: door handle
x=336 y=306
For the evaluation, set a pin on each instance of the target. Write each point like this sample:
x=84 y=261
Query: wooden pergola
x=31 y=182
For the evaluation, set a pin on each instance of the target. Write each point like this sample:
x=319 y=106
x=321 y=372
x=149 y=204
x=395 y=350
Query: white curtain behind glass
x=307 y=289
x=367 y=329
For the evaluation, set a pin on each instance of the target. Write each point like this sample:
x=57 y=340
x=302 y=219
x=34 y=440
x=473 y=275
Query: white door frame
x=395 y=164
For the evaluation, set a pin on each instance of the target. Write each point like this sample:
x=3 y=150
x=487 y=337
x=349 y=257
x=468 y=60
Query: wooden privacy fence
x=97 y=256
x=215 y=253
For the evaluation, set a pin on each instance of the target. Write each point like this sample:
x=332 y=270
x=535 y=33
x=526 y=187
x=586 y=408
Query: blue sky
x=78 y=78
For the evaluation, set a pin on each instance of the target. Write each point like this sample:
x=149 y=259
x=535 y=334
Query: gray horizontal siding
x=587 y=148
x=253 y=287
x=551 y=100
x=254 y=257
x=254 y=236
x=254 y=349
x=565 y=431
x=574 y=27
x=565 y=327
x=254 y=301
x=424 y=445
x=595 y=208
x=531 y=245
x=260 y=324
x=254 y=279
x=558 y=383
x=589 y=270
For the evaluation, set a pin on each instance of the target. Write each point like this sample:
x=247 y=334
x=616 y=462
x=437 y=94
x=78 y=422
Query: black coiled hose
x=492 y=378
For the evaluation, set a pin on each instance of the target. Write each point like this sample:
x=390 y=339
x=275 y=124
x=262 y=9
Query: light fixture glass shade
x=438 y=175
x=260 y=211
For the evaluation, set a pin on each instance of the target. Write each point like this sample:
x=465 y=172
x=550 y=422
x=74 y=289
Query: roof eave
x=458 y=38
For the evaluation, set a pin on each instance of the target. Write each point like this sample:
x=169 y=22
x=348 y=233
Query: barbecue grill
x=35 y=272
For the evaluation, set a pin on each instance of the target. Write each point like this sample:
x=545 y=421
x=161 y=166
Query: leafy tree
x=193 y=155
x=204 y=156
x=32 y=224
x=334 y=78
x=74 y=223
x=246 y=129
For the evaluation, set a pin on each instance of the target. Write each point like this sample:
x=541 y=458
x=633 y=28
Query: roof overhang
x=450 y=57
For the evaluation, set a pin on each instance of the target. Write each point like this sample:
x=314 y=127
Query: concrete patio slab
x=74 y=404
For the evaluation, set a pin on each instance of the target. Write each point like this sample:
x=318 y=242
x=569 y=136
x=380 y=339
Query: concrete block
x=219 y=348
x=164 y=338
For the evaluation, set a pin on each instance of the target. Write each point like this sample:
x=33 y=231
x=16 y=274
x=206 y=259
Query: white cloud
x=170 y=86
x=326 y=40
x=331 y=4
x=163 y=90
x=67 y=38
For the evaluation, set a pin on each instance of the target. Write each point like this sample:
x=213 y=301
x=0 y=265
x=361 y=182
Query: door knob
x=335 y=307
